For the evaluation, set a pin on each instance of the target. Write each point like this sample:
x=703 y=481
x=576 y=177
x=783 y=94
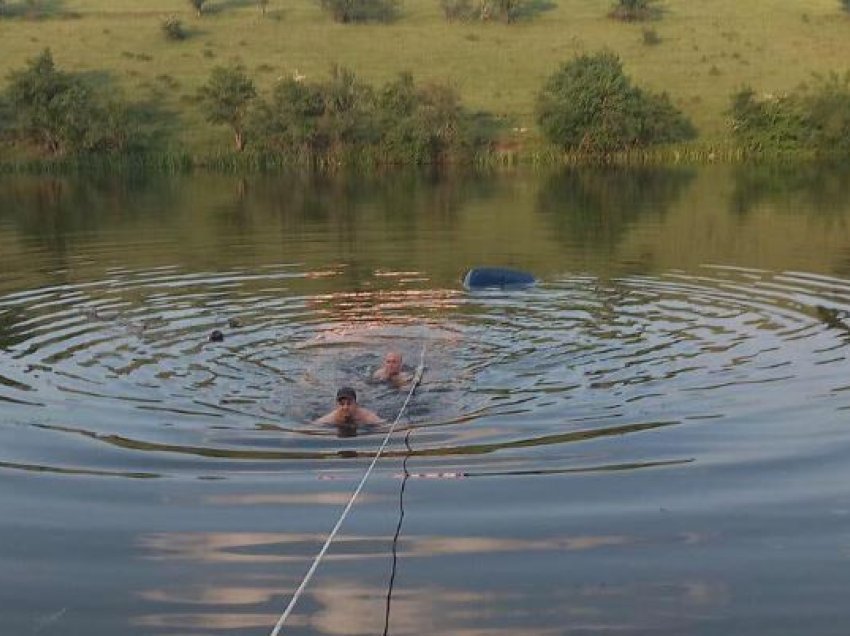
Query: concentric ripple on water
x=120 y=372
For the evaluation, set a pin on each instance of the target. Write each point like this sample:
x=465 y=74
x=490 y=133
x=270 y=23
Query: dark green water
x=653 y=440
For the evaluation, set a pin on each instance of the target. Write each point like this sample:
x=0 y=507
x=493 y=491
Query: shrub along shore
x=331 y=83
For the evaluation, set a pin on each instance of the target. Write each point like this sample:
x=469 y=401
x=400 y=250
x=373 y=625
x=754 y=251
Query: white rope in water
x=417 y=378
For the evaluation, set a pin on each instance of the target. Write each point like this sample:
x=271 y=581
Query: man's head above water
x=348 y=412
x=392 y=363
x=391 y=370
x=346 y=405
x=346 y=393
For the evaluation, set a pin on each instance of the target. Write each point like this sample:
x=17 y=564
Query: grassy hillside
x=707 y=50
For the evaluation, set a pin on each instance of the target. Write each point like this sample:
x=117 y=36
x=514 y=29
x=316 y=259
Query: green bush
x=811 y=119
x=845 y=4
x=348 y=110
x=361 y=10
x=59 y=113
x=767 y=124
x=827 y=105
x=117 y=128
x=290 y=121
x=421 y=125
x=589 y=106
x=400 y=123
x=317 y=120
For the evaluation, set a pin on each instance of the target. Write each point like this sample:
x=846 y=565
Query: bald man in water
x=391 y=370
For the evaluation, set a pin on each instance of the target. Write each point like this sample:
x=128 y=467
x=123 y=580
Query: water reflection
x=340 y=604
x=271 y=547
x=218 y=620
x=595 y=208
x=596 y=452
x=243 y=218
x=825 y=189
x=52 y=209
x=287 y=499
x=405 y=199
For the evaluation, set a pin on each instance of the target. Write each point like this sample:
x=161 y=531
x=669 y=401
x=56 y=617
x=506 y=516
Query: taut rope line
x=417 y=378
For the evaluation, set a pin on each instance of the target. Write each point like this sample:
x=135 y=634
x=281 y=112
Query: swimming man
x=391 y=370
x=348 y=412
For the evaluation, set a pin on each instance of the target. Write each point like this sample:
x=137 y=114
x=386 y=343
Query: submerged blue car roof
x=497 y=277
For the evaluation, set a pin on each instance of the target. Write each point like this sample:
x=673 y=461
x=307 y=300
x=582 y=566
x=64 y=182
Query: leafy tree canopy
x=225 y=99
x=590 y=106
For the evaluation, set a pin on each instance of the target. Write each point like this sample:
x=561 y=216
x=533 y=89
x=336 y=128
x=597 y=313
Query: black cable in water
x=391 y=583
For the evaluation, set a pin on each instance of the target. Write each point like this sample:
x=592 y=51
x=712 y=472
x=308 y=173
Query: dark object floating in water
x=234 y=323
x=834 y=318
x=497 y=277
x=216 y=336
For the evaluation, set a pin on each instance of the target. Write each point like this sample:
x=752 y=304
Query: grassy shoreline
x=705 y=53
x=248 y=163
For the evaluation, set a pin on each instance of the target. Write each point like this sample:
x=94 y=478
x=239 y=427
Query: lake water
x=653 y=440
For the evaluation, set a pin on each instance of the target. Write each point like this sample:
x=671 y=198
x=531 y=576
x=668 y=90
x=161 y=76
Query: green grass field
x=706 y=51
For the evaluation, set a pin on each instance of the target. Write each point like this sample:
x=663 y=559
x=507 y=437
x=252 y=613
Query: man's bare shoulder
x=330 y=418
x=365 y=416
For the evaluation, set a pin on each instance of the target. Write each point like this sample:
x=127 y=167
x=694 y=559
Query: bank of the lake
x=540 y=157
x=699 y=55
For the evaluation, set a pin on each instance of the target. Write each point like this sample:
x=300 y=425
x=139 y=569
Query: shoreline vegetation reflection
x=590 y=210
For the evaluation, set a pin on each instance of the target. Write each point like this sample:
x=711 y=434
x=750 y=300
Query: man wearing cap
x=348 y=412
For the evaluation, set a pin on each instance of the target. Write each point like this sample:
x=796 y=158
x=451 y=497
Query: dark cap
x=346 y=392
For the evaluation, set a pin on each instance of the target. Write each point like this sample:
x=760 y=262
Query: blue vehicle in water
x=497 y=278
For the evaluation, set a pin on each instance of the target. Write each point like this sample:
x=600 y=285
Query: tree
x=815 y=118
x=225 y=99
x=589 y=105
x=421 y=125
x=290 y=120
x=60 y=113
x=318 y=120
x=348 y=109
x=827 y=103
x=773 y=123
x=344 y=118
x=37 y=95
